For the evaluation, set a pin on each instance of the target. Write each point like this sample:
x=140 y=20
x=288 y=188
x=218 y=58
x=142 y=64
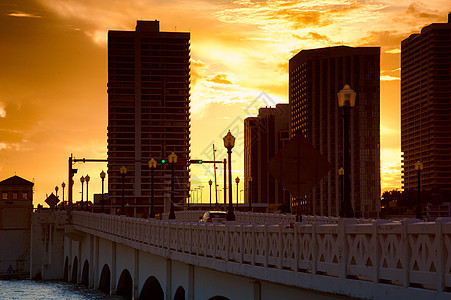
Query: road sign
x=298 y=166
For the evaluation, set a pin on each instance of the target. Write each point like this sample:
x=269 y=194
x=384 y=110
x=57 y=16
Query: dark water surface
x=28 y=289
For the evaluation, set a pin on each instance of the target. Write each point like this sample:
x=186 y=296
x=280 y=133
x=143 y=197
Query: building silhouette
x=16 y=207
x=426 y=109
x=315 y=77
x=148 y=113
x=264 y=136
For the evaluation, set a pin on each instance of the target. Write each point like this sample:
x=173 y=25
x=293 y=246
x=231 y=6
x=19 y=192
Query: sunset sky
x=53 y=72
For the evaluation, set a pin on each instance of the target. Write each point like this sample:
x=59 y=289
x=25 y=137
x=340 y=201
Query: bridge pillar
x=91 y=262
x=168 y=279
x=257 y=290
x=113 y=269
x=79 y=262
x=190 y=282
x=136 y=276
x=96 y=264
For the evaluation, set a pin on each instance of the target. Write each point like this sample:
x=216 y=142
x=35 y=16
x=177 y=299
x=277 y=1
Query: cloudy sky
x=53 y=72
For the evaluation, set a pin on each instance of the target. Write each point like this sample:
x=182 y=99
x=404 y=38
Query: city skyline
x=53 y=99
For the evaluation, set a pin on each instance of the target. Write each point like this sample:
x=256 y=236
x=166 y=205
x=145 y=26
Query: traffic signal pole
x=72 y=171
x=200 y=161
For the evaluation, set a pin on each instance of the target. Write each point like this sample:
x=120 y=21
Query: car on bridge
x=214 y=217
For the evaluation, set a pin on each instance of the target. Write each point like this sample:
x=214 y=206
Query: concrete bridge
x=320 y=258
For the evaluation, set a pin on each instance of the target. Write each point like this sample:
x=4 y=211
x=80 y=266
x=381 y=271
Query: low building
x=16 y=207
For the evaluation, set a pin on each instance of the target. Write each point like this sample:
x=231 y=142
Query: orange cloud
x=21 y=14
x=220 y=78
x=419 y=10
x=393 y=51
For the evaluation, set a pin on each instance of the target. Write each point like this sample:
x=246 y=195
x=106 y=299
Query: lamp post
x=341 y=173
x=237 y=180
x=346 y=100
x=87 y=193
x=229 y=143
x=102 y=176
x=210 y=183
x=250 y=193
x=82 y=180
x=56 y=195
x=123 y=171
x=172 y=160
x=63 y=185
x=152 y=166
x=201 y=189
x=419 y=168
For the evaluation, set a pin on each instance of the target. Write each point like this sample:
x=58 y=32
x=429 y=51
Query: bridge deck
x=397 y=258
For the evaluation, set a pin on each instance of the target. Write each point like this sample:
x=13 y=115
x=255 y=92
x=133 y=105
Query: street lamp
x=152 y=166
x=63 y=185
x=102 y=176
x=123 y=171
x=172 y=160
x=210 y=183
x=87 y=193
x=250 y=193
x=56 y=194
x=229 y=143
x=341 y=173
x=346 y=100
x=82 y=180
x=419 y=168
x=237 y=180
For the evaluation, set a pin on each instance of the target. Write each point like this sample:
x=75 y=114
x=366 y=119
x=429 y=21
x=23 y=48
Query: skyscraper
x=148 y=113
x=315 y=77
x=426 y=108
x=264 y=136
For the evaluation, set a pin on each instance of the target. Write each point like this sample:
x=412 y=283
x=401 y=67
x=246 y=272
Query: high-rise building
x=426 y=108
x=315 y=77
x=148 y=113
x=264 y=136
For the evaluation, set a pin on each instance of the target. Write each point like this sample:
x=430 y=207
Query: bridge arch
x=152 y=290
x=85 y=274
x=179 y=293
x=125 y=285
x=218 y=298
x=105 y=279
x=66 y=269
x=74 y=276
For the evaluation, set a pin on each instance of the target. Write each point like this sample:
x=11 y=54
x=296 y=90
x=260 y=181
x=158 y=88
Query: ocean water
x=28 y=289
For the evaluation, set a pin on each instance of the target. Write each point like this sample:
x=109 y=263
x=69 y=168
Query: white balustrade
x=404 y=252
x=257 y=218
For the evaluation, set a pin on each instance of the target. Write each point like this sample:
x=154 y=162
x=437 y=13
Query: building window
x=4 y=196
x=15 y=196
x=24 y=195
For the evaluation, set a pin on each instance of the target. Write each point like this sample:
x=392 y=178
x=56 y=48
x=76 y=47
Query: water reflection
x=28 y=289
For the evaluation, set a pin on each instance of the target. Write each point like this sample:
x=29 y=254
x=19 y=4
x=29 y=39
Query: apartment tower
x=148 y=114
x=264 y=136
x=315 y=78
x=426 y=109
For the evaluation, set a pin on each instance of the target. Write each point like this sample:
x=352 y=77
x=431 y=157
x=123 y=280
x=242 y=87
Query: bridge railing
x=257 y=218
x=406 y=253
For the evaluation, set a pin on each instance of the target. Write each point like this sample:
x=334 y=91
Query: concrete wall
x=15 y=251
x=47 y=248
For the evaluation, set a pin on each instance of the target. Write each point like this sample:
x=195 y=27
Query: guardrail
x=400 y=253
x=257 y=218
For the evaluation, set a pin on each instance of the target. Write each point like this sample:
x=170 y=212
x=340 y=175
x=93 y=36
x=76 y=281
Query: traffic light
x=163 y=161
x=196 y=161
